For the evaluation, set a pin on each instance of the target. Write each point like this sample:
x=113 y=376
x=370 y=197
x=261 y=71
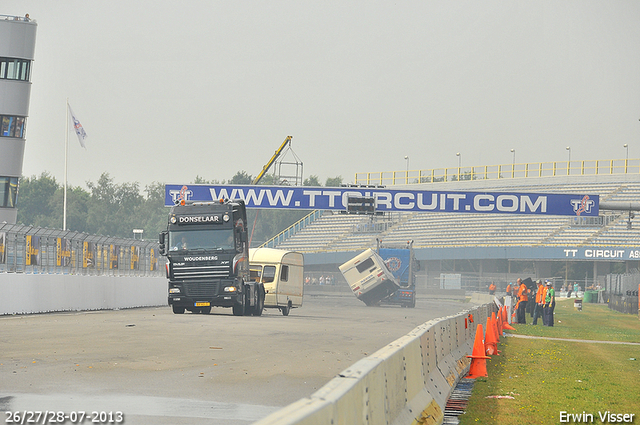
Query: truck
x=369 y=278
x=206 y=246
x=281 y=272
x=400 y=262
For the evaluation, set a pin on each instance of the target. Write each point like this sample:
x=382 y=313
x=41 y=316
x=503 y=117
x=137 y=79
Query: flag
x=77 y=127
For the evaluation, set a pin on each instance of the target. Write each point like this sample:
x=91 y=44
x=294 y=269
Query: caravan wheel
x=286 y=310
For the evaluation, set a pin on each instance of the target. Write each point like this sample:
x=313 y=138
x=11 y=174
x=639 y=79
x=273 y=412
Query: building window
x=8 y=191
x=11 y=126
x=15 y=69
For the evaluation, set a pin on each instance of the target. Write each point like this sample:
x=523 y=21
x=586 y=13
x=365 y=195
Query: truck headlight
x=174 y=290
x=230 y=289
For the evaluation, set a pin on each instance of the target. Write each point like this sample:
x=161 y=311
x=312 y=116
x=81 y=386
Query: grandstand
x=342 y=232
x=542 y=241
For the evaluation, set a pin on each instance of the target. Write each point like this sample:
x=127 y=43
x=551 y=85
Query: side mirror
x=162 y=236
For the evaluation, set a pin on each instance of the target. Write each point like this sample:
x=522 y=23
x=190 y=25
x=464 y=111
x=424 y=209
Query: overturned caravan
x=369 y=278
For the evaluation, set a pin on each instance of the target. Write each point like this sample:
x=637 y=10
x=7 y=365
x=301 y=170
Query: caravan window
x=284 y=273
x=365 y=265
x=268 y=274
x=255 y=274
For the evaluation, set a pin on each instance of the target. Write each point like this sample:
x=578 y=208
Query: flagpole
x=66 y=150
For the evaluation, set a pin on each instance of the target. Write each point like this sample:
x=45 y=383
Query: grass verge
x=545 y=377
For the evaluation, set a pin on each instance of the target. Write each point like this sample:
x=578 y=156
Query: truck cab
x=206 y=246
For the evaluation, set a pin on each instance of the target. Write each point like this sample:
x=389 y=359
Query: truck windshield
x=218 y=239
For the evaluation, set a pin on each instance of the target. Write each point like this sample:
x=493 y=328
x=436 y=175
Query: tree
x=78 y=201
x=152 y=212
x=334 y=181
x=268 y=180
x=241 y=177
x=202 y=180
x=35 y=200
x=311 y=181
x=112 y=210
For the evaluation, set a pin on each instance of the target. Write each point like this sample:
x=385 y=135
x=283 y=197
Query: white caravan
x=281 y=272
x=369 y=278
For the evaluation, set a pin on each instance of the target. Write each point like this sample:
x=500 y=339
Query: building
x=484 y=248
x=17 y=45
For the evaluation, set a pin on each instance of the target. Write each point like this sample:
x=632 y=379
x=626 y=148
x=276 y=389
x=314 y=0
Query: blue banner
x=335 y=198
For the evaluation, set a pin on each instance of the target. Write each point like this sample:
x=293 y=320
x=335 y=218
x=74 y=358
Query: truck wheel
x=413 y=302
x=177 y=309
x=287 y=309
x=238 y=309
x=259 y=307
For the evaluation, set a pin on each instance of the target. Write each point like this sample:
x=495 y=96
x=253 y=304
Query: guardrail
x=39 y=250
x=406 y=382
x=15 y=18
x=502 y=171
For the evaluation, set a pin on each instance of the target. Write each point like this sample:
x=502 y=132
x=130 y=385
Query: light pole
x=569 y=161
x=626 y=161
x=459 y=160
x=406 y=157
x=513 y=164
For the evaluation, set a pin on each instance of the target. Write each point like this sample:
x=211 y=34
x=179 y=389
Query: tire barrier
x=405 y=382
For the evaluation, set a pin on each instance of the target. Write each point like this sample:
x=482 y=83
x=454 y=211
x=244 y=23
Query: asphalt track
x=161 y=368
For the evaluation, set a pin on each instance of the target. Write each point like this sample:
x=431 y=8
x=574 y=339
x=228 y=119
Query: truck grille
x=201 y=289
x=200 y=272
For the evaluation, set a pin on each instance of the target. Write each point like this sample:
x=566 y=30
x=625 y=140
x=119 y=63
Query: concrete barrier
x=406 y=382
x=37 y=293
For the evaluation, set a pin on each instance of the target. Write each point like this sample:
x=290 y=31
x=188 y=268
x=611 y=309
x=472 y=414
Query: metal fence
x=39 y=250
x=622 y=292
x=501 y=171
x=624 y=303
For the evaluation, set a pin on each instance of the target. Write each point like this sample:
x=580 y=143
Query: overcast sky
x=169 y=90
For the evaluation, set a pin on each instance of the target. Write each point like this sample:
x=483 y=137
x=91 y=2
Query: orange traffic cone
x=478 y=366
x=496 y=326
x=505 y=324
x=490 y=342
x=494 y=322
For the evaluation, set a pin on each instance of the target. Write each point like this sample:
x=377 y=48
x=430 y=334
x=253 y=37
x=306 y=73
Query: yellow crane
x=275 y=156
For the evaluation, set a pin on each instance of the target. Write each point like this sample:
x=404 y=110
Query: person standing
x=549 y=304
x=523 y=298
x=543 y=299
x=537 y=309
x=492 y=289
